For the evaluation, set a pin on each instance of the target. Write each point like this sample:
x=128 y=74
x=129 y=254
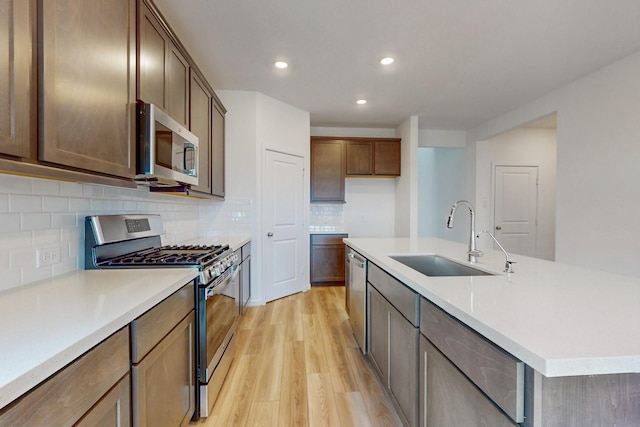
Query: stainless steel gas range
x=134 y=241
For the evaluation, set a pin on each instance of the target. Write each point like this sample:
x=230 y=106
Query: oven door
x=217 y=318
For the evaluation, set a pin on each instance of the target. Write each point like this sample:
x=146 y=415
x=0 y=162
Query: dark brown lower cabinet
x=449 y=399
x=90 y=391
x=327 y=259
x=162 y=353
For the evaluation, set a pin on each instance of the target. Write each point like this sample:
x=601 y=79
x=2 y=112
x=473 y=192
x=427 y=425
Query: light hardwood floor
x=297 y=364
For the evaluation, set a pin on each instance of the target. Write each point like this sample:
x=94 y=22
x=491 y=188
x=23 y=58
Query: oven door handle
x=217 y=289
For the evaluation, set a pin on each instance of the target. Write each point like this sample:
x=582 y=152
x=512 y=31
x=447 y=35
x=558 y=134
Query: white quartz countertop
x=46 y=325
x=559 y=319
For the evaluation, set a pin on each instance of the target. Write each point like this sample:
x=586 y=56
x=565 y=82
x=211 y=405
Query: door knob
x=498 y=227
x=269 y=234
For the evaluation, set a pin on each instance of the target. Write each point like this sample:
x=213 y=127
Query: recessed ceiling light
x=281 y=64
x=361 y=101
x=387 y=61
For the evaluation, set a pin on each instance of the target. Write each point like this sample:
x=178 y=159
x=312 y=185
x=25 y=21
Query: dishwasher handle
x=356 y=259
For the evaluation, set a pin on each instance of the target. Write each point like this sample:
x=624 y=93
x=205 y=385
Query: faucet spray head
x=450 y=220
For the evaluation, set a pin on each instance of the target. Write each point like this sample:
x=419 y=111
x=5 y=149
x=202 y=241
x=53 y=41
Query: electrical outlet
x=47 y=256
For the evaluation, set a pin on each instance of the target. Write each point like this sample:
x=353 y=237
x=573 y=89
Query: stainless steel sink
x=437 y=266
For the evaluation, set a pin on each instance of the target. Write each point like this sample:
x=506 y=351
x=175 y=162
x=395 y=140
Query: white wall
x=255 y=123
x=406 y=198
x=519 y=147
x=442 y=183
x=597 y=165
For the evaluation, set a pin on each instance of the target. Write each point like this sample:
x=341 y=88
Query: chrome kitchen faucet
x=472 y=252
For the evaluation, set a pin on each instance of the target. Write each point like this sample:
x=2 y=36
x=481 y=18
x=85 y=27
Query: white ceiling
x=458 y=62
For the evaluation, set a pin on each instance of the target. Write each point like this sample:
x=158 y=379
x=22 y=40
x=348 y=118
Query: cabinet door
x=200 y=125
x=87 y=85
x=403 y=365
x=177 y=85
x=72 y=392
x=153 y=45
x=359 y=158
x=327 y=259
x=387 y=158
x=163 y=385
x=217 y=149
x=378 y=327
x=449 y=399
x=327 y=170
x=114 y=409
x=17 y=77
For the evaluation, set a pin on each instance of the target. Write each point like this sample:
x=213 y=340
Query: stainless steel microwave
x=167 y=151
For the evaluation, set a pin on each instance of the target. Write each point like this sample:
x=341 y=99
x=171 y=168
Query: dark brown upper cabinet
x=217 y=148
x=373 y=157
x=163 y=70
x=87 y=85
x=327 y=169
x=200 y=125
x=17 y=78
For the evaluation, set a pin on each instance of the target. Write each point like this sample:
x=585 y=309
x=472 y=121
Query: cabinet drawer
x=405 y=300
x=494 y=371
x=66 y=396
x=148 y=329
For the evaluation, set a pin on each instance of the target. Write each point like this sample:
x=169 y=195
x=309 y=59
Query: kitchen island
x=563 y=322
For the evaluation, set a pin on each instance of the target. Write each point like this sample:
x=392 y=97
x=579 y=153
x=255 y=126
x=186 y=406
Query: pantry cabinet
x=17 y=78
x=93 y=388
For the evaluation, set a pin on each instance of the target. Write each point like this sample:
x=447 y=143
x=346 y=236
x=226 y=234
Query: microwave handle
x=188 y=149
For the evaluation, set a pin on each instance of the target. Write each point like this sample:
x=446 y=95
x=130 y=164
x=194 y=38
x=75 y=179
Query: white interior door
x=283 y=224
x=516 y=208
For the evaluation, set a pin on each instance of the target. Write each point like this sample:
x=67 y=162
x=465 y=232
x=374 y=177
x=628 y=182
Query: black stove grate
x=170 y=255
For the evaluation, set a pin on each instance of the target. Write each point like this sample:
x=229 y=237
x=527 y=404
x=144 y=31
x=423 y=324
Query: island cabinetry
x=17 y=78
x=92 y=390
x=462 y=370
x=577 y=401
x=162 y=355
x=393 y=340
x=327 y=259
x=327 y=170
x=87 y=97
x=163 y=71
x=373 y=157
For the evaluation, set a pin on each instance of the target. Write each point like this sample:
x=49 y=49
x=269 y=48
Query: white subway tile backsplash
x=14 y=184
x=35 y=221
x=25 y=203
x=45 y=187
x=9 y=222
x=55 y=204
x=37 y=213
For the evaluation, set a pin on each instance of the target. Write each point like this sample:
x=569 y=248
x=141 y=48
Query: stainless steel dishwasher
x=357 y=286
